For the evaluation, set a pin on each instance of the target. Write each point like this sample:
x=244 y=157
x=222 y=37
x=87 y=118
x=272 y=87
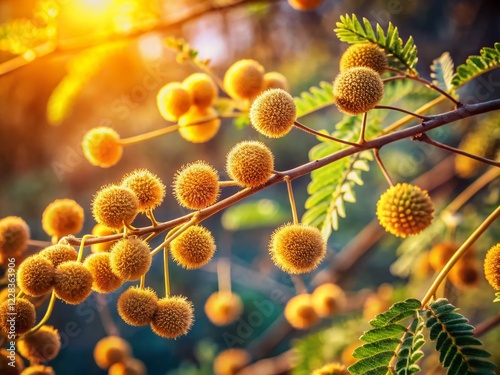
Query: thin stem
x=361 y=139
x=150 y=135
x=165 y=270
x=82 y=246
x=292 y=199
x=46 y=317
x=174 y=235
x=382 y=166
x=228 y=183
x=224 y=275
x=486 y=326
x=142 y=281
x=204 y=67
x=54 y=239
x=425 y=118
x=458 y=254
x=151 y=216
x=298 y=284
x=326 y=136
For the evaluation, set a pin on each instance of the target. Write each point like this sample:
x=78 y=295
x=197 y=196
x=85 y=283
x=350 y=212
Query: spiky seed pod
x=62 y=217
x=40 y=346
x=275 y=80
x=101 y=147
x=273 y=113
x=250 y=163
x=492 y=267
x=173 y=101
x=130 y=258
x=328 y=299
x=72 y=282
x=173 y=318
x=305 y=5
x=404 y=210
x=104 y=280
x=25 y=316
x=102 y=230
x=202 y=88
x=334 y=368
x=357 y=90
x=193 y=128
x=35 y=276
x=137 y=306
x=147 y=186
x=111 y=350
x=297 y=248
x=196 y=185
x=6 y=367
x=14 y=236
x=230 y=361
x=114 y=205
x=465 y=274
x=193 y=248
x=130 y=366
x=440 y=254
x=368 y=55
x=243 y=80
x=300 y=313
x=59 y=253
x=223 y=308
x=38 y=370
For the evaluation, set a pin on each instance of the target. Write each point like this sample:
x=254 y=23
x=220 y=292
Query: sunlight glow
x=150 y=46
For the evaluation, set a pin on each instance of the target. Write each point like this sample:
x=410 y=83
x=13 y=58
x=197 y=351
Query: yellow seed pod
x=62 y=217
x=300 y=313
x=223 y=308
x=35 y=276
x=465 y=273
x=328 y=299
x=104 y=280
x=243 y=80
x=38 y=370
x=346 y=356
x=202 y=88
x=193 y=128
x=273 y=113
x=297 y=248
x=40 y=346
x=250 y=163
x=173 y=101
x=357 y=90
x=147 y=186
x=368 y=55
x=304 y=5
x=14 y=236
x=404 y=210
x=275 y=80
x=6 y=367
x=130 y=366
x=173 y=318
x=230 y=361
x=137 y=306
x=59 y=253
x=334 y=368
x=101 y=147
x=492 y=266
x=193 y=248
x=440 y=254
x=100 y=230
x=111 y=350
x=25 y=316
x=130 y=258
x=72 y=282
x=196 y=185
x=114 y=205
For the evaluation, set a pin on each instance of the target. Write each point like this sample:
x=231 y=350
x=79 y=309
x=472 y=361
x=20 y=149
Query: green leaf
x=488 y=59
x=442 y=72
x=497 y=299
x=410 y=353
x=314 y=99
x=256 y=214
x=396 y=310
x=373 y=363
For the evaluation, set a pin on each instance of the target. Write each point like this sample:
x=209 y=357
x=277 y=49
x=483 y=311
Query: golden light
x=95 y=6
x=150 y=46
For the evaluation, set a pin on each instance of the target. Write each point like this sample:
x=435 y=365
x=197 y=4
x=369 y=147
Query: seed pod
x=193 y=128
x=147 y=186
x=62 y=217
x=368 y=55
x=404 y=210
x=111 y=350
x=196 y=185
x=104 y=280
x=6 y=367
x=492 y=267
x=465 y=273
x=14 y=236
x=137 y=306
x=223 y=308
x=173 y=318
x=173 y=101
x=72 y=282
x=25 y=316
x=328 y=299
x=305 y=5
x=273 y=113
x=300 y=313
x=275 y=80
x=100 y=230
x=59 y=253
x=230 y=361
x=130 y=366
x=250 y=163
x=38 y=370
x=40 y=346
x=243 y=80
x=101 y=147
x=115 y=205
x=334 y=368
x=202 y=89
x=193 y=248
x=442 y=252
x=130 y=258
x=35 y=276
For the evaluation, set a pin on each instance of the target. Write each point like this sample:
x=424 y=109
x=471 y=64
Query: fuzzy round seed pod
x=40 y=346
x=368 y=55
x=35 y=276
x=6 y=360
x=111 y=350
x=357 y=90
x=300 y=313
x=173 y=101
x=130 y=258
x=297 y=248
x=173 y=318
x=38 y=370
x=334 y=368
x=230 y=361
x=130 y=366
x=202 y=88
x=62 y=217
x=101 y=147
x=147 y=186
x=404 y=210
x=223 y=308
x=72 y=282
x=304 y=5
x=440 y=254
x=192 y=127
x=250 y=163
x=275 y=80
x=193 y=248
x=14 y=236
x=102 y=230
x=492 y=266
x=137 y=306
x=243 y=80
x=104 y=280
x=25 y=316
x=465 y=274
x=59 y=253
x=328 y=299
x=114 y=205
x=196 y=185
x=273 y=113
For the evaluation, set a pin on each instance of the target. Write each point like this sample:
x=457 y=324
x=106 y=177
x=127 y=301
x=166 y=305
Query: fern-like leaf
x=455 y=341
x=410 y=353
x=351 y=30
x=314 y=99
x=488 y=59
x=442 y=72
